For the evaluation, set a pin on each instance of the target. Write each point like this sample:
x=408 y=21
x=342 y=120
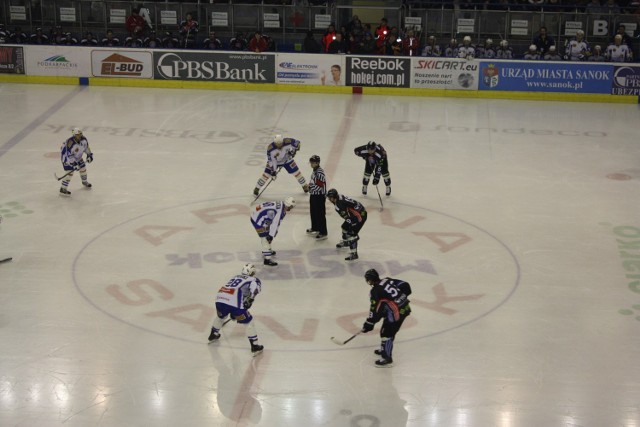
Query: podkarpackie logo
x=183 y=254
x=57 y=61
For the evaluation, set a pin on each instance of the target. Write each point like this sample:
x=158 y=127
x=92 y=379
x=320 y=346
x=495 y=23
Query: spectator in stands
x=552 y=54
x=69 y=40
x=431 y=48
x=134 y=40
x=411 y=44
x=368 y=45
x=135 y=24
x=329 y=36
x=486 y=51
x=153 y=41
x=612 y=8
x=626 y=38
x=18 y=37
x=212 y=42
x=310 y=44
x=504 y=51
x=339 y=45
x=239 y=42
x=258 y=43
x=451 y=51
x=381 y=35
x=169 y=41
x=188 y=31
x=595 y=8
x=577 y=48
x=355 y=29
x=543 y=41
x=39 y=37
x=532 y=54
x=56 y=35
x=89 y=40
x=597 y=55
x=391 y=45
x=110 y=40
x=618 y=52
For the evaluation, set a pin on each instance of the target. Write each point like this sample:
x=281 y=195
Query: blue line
x=38 y=121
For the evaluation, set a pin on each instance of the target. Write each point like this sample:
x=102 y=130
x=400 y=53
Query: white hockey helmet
x=580 y=33
x=489 y=41
x=533 y=48
x=597 y=48
x=289 y=202
x=249 y=269
x=552 y=48
x=467 y=39
x=76 y=131
x=278 y=139
x=504 y=43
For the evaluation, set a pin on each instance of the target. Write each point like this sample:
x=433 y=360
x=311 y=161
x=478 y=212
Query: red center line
x=340 y=140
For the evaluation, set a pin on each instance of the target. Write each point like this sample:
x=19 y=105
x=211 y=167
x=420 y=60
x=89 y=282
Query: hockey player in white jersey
x=266 y=218
x=504 y=51
x=577 y=49
x=280 y=154
x=467 y=50
x=532 y=54
x=431 y=48
x=234 y=300
x=618 y=52
x=71 y=155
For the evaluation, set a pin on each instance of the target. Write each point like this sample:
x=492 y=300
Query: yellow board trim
x=270 y=87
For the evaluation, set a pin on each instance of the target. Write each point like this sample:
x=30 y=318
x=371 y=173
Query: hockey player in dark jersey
x=354 y=215
x=376 y=163
x=390 y=302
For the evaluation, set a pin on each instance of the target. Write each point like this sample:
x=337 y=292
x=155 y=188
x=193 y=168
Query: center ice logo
x=160 y=272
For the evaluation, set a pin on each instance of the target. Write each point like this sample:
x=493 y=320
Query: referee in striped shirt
x=317 y=197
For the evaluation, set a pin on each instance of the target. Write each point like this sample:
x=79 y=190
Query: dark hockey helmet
x=372 y=276
x=332 y=193
x=371 y=145
x=314 y=159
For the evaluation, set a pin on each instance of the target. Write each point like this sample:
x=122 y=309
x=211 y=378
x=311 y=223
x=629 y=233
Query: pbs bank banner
x=310 y=69
x=626 y=80
x=214 y=66
x=528 y=76
x=375 y=71
x=444 y=73
x=67 y=61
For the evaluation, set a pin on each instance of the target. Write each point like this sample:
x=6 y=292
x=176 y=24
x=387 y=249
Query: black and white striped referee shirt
x=318 y=183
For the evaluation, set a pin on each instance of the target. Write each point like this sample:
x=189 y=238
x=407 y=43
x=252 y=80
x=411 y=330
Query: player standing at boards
x=317 y=198
x=266 y=218
x=280 y=153
x=390 y=302
x=354 y=215
x=234 y=300
x=71 y=154
x=376 y=163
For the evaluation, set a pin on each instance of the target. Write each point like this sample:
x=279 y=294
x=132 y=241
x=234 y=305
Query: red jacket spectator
x=328 y=37
x=135 y=23
x=381 y=34
x=258 y=43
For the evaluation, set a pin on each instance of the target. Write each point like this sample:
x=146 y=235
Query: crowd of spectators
x=600 y=7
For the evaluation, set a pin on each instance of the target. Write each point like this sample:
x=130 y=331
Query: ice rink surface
x=515 y=222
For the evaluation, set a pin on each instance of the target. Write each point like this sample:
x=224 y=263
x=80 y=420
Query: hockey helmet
x=467 y=39
x=332 y=193
x=489 y=41
x=278 y=140
x=504 y=43
x=289 y=202
x=249 y=269
x=371 y=145
x=76 y=131
x=372 y=276
x=314 y=159
x=533 y=48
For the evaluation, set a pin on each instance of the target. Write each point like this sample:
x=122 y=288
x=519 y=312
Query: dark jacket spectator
x=310 y=44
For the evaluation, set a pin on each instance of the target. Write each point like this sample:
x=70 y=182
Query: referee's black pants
x=318 y=213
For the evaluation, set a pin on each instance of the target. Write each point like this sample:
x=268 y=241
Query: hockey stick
x=265 y=187
x=66 y=174
x=336 y=341
x=5 y=260
x=379 y=197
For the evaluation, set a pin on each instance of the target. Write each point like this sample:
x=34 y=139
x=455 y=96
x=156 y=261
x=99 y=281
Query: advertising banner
x=68 y=61
x=310 y=69
x=136 y=64
x=214 y=66
x=626 y=81
x=11 y=59
x=444 y=73
x=527 y=76
x=378 y=71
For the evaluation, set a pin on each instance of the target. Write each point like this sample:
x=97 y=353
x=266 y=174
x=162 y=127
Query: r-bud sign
x=380 y=72
x=214 y=66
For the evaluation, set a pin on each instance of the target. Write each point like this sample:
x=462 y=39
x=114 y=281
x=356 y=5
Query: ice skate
x=364 y=190
x=352 y=257
x=321 y=237
x=65 y=192
x=270 y=263
x=256 y=349
x=342 y=244
x=311 y=232
x=86 y=184
x=388 y=191
x=385 y=362
x=214 y=335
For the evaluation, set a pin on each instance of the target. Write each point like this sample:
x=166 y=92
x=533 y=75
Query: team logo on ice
x=490 y=75
x=160 y=272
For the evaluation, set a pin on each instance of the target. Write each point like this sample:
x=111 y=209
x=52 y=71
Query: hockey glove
x=274 y=173
x=269 y=239
x=90 y=158
x=367 y=327
x=247 y=303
